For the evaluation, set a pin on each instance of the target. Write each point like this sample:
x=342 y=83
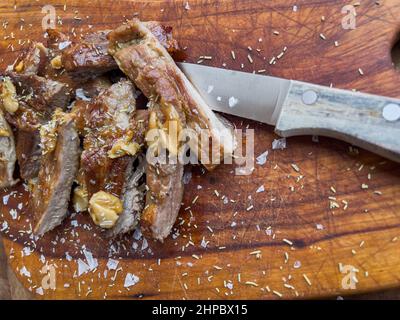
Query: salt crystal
x=13 y=214
x=145 y=244
x=260 y=189
x=80 y=93
x=210 y=89
x=4 y=226
x=5 y=199
x=92 y=262
x=279 y=144
x=130 y=280
x=63 y=45
x=319 y=226
x=26 y=251
x=68 y=257
x=25 y=272
x=39 y=291
x=262 y=158
x=82 y=267
x=137 y=235
x=112 y=264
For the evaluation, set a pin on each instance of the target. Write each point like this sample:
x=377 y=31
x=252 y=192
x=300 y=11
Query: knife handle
x=367 y=121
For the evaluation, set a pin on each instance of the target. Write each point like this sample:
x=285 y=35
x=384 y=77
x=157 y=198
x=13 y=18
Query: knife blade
x=298 y=108
x=242 y=94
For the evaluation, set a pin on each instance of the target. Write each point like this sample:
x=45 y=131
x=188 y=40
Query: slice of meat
x=163 y=199
x=41 y=94
x=57 y=41
x=27 y=122
x=133 y=193
x=88 y=57
x=108 y=163
x=7 y=154
x=33 y=60
x=93 y=88
x=29 y=153
x=146 y=62
x=164 y=36
x=37 y=98
x=59 y=166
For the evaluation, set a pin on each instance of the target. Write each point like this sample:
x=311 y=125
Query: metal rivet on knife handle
x=391 y=112
x=310 y=97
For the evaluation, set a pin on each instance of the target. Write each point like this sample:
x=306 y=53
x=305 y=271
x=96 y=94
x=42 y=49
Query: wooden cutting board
x=231 y=242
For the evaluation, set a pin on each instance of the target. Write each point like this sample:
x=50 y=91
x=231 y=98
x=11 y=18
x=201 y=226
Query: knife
x=299 y=108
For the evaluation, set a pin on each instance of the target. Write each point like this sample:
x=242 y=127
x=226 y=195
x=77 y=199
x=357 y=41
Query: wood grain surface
x=325 y=204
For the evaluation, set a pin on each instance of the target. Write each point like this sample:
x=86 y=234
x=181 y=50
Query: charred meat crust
x=58 y=169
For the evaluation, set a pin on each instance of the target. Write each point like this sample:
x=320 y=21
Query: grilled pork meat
x=59 y=166
x=35 y=100
x=132 y=198
x=29 y=153
x=146 y=62
x=93 y=88
x=163 y=199
x=88 y=57
x=33 y=60
x=41 y=94
x=109 y=174
x=7 y=154
x=174 y=103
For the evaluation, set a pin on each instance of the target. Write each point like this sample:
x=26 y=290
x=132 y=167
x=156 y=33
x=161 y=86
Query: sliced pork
x=163 y=199
x=111 y=172
x=147 y=63
x=59 y=166
x=35 y=99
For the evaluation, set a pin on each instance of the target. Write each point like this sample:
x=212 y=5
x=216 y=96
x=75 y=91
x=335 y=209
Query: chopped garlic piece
x=9 y=96
x=56 y=63
x=122 y=148
x=104 y=208
x=80 y=199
